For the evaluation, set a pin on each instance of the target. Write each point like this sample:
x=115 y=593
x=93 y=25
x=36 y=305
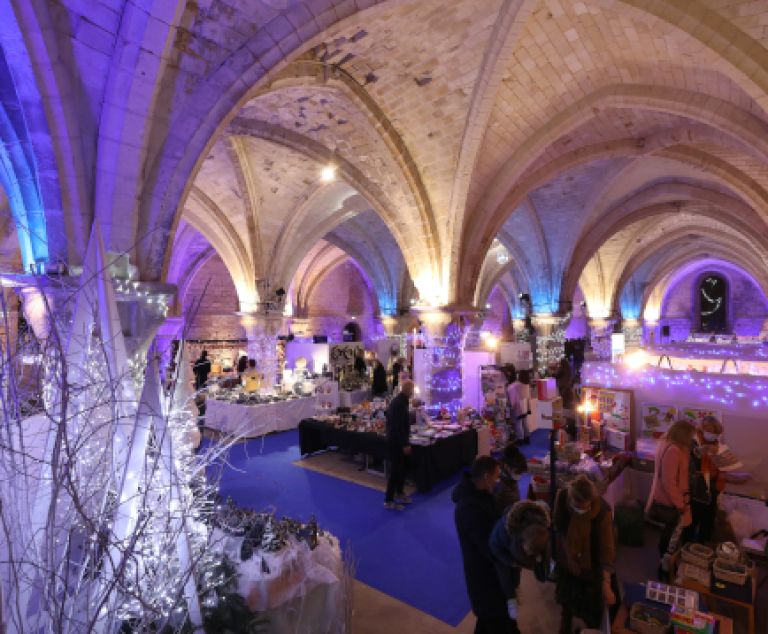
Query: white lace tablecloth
x=257 y=420
x=304 y=590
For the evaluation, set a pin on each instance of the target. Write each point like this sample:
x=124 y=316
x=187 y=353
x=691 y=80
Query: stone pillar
x=600 y=331
x=633 y=334
x=391 y=325
x=300 y=327
x=261 y=332
x=549 y=342
x=437 y=366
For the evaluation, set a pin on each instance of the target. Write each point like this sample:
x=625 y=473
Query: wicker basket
x=687 y=570
x=659 y=625
x=731 y=571
x=697 y=555
x=728 y=551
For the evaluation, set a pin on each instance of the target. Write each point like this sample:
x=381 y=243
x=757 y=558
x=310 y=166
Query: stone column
x=600 y=331
x=437 y=367
x=300 y=327
x=261 y=332
x=633 y=334
x=391 y=325
x=549 y=341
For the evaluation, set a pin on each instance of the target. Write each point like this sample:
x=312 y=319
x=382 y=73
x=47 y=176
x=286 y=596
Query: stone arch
x=666 y=274
x=46 y=100
x=632 y=209
x=410 y=242
x=670 y=239
x=299 y=72
x=172 y=169
x=500 y=197
x=203 y=214
x=714 y=245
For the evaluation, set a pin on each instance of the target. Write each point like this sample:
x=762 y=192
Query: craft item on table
x=671 y=595
x=648 y=619
x=729 y=551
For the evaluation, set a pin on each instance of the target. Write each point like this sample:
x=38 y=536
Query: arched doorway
x=713 y=304
x=351 y=332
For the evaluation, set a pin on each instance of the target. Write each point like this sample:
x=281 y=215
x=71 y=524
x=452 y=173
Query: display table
x=303 y=590
x=428 y=464
x=353 y=397
x=736 y=601
x=634 y=592
x=257 y=420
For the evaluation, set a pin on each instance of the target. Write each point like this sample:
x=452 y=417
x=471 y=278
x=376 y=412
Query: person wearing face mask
x=475 y=516
x=707 y=480
x=585 y=554
x=513 y=466
x=521 y=539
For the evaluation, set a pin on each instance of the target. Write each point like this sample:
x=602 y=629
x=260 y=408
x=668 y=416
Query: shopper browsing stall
x=707 y=480
x=379 y=386
x=201 y=370
x=585 y=554
x=475 y=516
x=520 y=540
x=398 y=440
x=519 y=397
x=513 y=466
x=669 y=500
x=252 y=378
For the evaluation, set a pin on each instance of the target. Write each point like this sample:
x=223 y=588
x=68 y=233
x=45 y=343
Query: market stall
x=258 y=416
x=430 y=463
x=292 y=574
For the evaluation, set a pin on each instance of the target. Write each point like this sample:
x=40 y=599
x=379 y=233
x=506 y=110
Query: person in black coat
x=201 y=369
x=397 y=368
x=379 y=387
x=399 y=444
x=475 y=516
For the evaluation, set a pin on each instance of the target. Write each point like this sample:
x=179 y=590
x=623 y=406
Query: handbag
x=700 y=489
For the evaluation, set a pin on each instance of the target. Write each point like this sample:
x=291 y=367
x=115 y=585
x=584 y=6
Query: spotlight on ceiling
x=328 y=174
x=524 y=297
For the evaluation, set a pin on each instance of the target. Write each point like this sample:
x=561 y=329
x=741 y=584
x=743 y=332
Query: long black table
x=428 y=464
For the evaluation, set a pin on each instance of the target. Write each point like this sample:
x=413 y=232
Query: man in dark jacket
x=201 y=369
x=475 y=517
x=398 y=440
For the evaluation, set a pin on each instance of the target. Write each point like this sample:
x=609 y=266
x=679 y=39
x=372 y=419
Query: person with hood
x=475 y=516
x=520 y=539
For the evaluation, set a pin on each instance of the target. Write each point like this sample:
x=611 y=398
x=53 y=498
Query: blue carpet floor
x=412 y=555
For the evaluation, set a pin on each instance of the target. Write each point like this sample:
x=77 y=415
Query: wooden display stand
x=713 y=599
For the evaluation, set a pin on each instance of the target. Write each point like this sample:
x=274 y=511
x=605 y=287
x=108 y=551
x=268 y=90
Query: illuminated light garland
x=727 y=390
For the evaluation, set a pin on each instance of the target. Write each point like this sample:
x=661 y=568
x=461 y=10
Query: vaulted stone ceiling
x=556 y=128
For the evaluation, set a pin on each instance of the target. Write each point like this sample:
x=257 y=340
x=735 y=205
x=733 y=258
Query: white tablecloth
x=257 y=420
x=303 y=592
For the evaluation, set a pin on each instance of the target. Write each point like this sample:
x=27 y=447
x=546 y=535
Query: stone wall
x=339 y=296
x=215 y=318
x=748 y=306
